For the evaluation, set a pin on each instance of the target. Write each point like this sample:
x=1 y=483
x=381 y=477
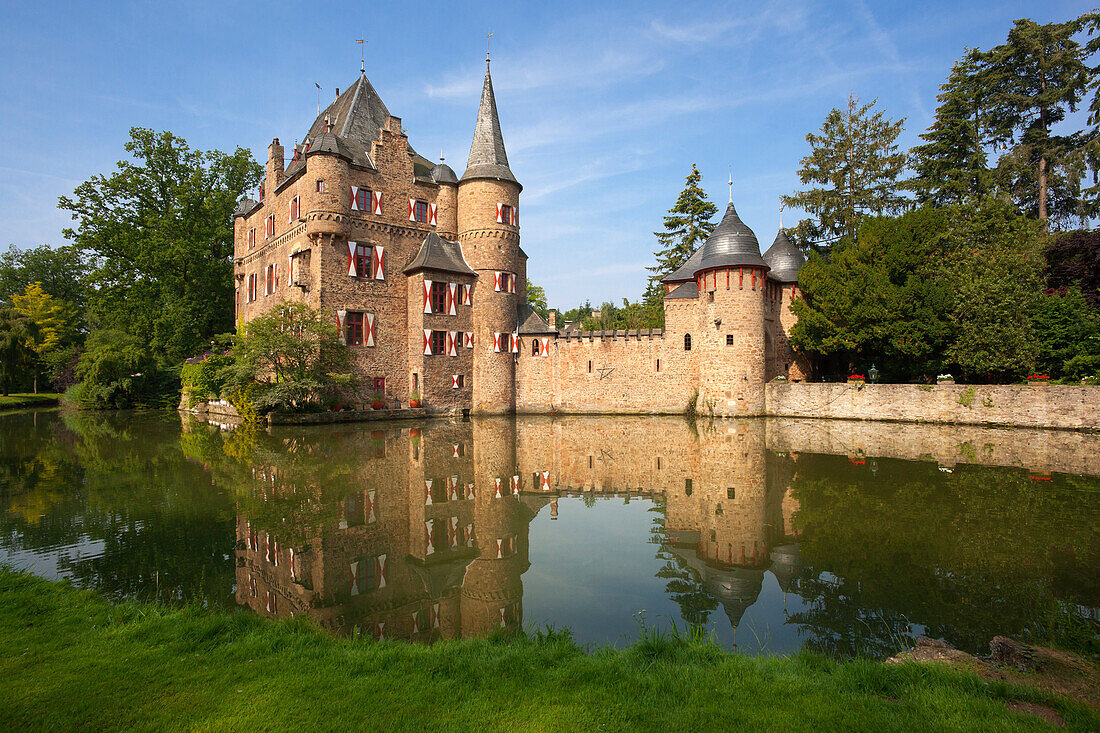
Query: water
x=847 y=538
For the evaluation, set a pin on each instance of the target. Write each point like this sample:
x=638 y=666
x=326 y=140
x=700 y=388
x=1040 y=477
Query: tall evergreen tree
x=856 y=166
x=1036 y=77
x=687 y=225
x=951 y=166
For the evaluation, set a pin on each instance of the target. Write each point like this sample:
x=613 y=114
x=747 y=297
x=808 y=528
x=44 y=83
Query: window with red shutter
x=439 y=342
x=421 y=211
x=439 y=297
x=363 y=260
x=354 y=328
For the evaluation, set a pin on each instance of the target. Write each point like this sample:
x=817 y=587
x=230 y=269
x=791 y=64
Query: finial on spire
x=441 y=158
x=780 y=216
x=488 y=44
x=731 y=184
x=362 y=56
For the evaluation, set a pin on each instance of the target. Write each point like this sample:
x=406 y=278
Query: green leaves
x=854 y=168
x=686 y=226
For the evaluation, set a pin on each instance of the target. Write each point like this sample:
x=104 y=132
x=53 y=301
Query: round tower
x=731 y=276
x=447 y=200
x=488 y=229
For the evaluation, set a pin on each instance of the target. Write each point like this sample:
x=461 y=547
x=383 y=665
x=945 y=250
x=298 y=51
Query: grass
x=28 y=400
x=69 y=660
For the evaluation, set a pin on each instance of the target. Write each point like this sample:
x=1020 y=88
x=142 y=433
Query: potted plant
x=1039 y=379
x=377 y=401
x=414 y=398
x=944 y=379
x=856 y=379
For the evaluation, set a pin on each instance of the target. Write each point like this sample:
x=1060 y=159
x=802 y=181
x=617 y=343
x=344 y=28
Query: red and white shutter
x=452 y=531
x=468 y=339
x=454 y=385
x=511 y=283
x=432 y=209
x=469 y=490
x=468 y=295
x=544 y=480
x=427 y=342
x=427 y=492
x=371 y=516
x=454 y=446
x=355 y=578
x=497 y=494
x=452 y=299
x=515 y=342
x=515 y=485
x=429 y=548
x=377 y=196
x=500 y=213
x=545 y=348
x=379 y=262
x=292 y=562
x=470 y=534
x=351 y=259
x=355 y=198
x=452 y=488
x=496 y=342
x=416 y=623
x=412 y=209
x=452 y=343
x=496 y=281
x=341 y=318
x=500 y=554
x=427 y=296
x=435 y=615
x=381 y=560
x=379 y=629
x=368 y=326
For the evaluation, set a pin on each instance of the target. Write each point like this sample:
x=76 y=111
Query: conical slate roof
x=443 y=173
x=488 y=159
x=731 y=244
x=784 y=258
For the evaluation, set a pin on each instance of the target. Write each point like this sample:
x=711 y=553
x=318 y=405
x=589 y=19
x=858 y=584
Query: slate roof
x=443 y=173
x=245 y=207
x=531 y=322
x=488 y=159
x=687 y=270
x=731 y=244
x=784 y=258
x=436 y=253
x=689 y=289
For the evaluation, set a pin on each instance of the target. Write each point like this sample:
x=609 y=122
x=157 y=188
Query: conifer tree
x=856 y=166
x=951 y=167
x=1036 y=76
x=687 y=225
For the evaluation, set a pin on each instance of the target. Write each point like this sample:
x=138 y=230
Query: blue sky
x=604 y=106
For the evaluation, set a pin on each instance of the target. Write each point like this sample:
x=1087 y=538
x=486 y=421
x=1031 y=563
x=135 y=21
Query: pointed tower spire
x=488 y=159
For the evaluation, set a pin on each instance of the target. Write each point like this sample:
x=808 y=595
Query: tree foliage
x=686 y=226
x=854 y=170
x=536 y=298
x=160 y=231
x=15 y=356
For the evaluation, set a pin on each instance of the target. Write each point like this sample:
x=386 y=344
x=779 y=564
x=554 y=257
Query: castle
x=424 y=275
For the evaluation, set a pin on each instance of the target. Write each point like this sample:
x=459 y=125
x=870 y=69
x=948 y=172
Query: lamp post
x=873 y=373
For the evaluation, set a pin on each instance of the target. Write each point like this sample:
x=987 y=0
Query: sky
x=604 y=106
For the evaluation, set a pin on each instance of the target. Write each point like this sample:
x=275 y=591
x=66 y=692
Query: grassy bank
x=42 y=399
x=71 y=660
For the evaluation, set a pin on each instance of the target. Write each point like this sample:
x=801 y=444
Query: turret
x=275 y=167
x=488 y=229
x=447 y=200
x=731 y=276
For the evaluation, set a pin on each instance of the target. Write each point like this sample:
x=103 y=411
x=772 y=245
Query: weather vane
x=362 y=56
x=731 y=184
x=488 y=44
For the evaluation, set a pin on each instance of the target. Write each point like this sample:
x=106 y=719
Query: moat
x=846 y=538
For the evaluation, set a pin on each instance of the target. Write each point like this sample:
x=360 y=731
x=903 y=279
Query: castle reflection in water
x=429 y=538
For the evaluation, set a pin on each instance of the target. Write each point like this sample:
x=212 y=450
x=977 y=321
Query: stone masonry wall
x=1050 y=406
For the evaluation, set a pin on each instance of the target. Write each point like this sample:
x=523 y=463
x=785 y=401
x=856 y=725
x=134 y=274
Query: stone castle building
x=423 y=273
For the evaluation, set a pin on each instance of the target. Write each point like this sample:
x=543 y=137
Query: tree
x=1067 y=329
x=879 y=299
x=686 y=226
x=536 y=298
x=13 y=347
x=1073 y=259
x=1036 y=76
x=951 y=166
x=43 y=322
x=856 y=165
x=294 y=353
x=994 y=266
x=161 y=232
x=62 y=272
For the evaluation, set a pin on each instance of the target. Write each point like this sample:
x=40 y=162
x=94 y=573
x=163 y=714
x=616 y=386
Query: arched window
x=687 y=342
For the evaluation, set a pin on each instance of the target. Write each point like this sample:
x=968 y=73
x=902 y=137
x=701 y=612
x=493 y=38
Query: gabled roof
x=690 y=289
x=245 y=207
x=784 y=258
x=488 y=158
x=436 y=253
x=531 y=322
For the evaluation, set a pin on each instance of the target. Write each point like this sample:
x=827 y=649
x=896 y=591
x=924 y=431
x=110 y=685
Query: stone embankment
x=1045 y=406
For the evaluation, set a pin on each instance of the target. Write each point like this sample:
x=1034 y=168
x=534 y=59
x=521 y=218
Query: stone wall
x=1049 y=406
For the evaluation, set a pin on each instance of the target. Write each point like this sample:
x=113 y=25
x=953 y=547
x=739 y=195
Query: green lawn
x=71 y=660
x=28 y=400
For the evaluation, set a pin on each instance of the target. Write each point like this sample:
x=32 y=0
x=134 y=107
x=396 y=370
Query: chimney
x=274 y=164
x=552 y=320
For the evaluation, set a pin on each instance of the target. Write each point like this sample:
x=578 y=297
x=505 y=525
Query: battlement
x=635 y=334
